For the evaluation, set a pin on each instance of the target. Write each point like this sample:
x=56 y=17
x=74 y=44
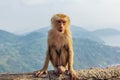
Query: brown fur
x=59 y=49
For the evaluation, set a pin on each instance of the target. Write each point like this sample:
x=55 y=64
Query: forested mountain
x=26 y=53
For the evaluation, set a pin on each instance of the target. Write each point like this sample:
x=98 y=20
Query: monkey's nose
x=60 y=27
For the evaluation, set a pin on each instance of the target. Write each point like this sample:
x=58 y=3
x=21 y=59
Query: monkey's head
x=60 y=22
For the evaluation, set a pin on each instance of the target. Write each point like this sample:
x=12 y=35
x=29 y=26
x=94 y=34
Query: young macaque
x=59 y=47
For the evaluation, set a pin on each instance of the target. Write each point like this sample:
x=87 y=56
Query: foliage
x=26 y=53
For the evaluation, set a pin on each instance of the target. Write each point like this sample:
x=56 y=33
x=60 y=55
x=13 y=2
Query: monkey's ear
x=51 y=20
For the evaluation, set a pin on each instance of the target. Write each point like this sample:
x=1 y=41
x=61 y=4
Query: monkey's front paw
x=61 y=69
x=73 y=75
x=38 y=73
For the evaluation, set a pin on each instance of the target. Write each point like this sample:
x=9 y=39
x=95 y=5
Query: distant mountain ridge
x=77 y=32
x=7 y=36
x=106 y=32
x=109 y=36
x=24 y=53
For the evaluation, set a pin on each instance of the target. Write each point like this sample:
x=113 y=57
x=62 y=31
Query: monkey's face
x=60 y=22
x=61 y=25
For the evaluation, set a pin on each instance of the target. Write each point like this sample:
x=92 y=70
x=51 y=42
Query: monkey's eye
x=59 y=21
x=64 y=22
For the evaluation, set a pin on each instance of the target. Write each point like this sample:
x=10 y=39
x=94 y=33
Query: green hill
x=26 y=53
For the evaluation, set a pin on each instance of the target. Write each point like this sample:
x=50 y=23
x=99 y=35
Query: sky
x=20 y=16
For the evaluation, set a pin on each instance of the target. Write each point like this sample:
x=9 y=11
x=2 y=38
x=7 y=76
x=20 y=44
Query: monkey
x=59 y=46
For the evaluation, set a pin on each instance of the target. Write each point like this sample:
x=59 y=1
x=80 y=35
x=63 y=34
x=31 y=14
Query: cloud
x=91 y=14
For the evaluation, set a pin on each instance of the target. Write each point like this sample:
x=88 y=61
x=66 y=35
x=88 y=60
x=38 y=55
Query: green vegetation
x=26 y=53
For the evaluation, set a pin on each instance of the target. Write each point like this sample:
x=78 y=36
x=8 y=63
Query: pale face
x=61 y=24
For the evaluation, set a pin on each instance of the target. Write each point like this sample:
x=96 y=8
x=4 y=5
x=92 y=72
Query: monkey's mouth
x=61 y=30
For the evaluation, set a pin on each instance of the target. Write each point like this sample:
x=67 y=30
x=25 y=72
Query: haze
x=20 y=16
